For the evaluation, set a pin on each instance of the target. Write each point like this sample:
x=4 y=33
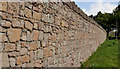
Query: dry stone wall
x=34 y=34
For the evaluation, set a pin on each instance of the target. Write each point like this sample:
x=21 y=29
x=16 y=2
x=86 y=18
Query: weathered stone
x=41 y=26
x=64 y=24
x=19 y=60
x=5 y=60
x=35 y=26
x=25 y=59
x=18 y=46
x=40 y=35
x=23 y=44
x=28 y=25
x=32 y=46
x=6 y=24
x=47 y=52
x=3 y=6
x=40 y=53
x=28 y=12
x=23 y=51
x=47 y=18
x=37 y=64
x=29 y=36
x=35 y=35
x=1 y=47
x=12 y=62
x=24 y=36
x=9 y=47
x=3 y=30
x=37 y=15
x=36 y=55
x=57 y=21
x=17 y=23
x=13 y=37
x=32 y=55
x=3 y=37
x=43 y=43
x=13 y=54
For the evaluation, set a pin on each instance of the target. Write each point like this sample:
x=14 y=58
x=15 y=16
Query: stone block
x=32 y=46
x=47 y=52
x=40 y=53
x=14 y=34
x=47 y=18
x=5 y=60
x=13 y=54
x=24 y=36
x=25 y=59
x=35 y=25
x=23 y=51
x=9 y=47
x=19 y=60
x=37 y=15
x=18 y=46
x=28 y=12
x=5 y=24
x=35 y=35
x=12 y=62
x=40 y=35
x=1 y=47
x=23 y=44
x=3 y=6
x=17 y=23
x=41 y=26
x=3 y=37
x=28 y=25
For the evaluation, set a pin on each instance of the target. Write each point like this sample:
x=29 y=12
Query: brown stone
x=13 y=54
x=35 y=35
x=3 y=37
x=6 y=24
x=17 y=23
x=28 y=25
x=23 y=44
x=35 y=26
x=25 y=59
x=37 y=15
x=64 y=24
x=9 y=47
x=19 y=60
x=41 y=26
x=33 y=46
x=3 y=6
x=14 y=34
x=28 y=12
x=47 y=52
x=5 y=60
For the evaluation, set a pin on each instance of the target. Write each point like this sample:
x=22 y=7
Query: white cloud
x=100 y=6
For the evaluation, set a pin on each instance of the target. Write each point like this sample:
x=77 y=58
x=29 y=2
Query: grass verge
x=105 y=56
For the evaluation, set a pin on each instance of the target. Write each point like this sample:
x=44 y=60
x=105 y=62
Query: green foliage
x=109 y=21
x=105 y=56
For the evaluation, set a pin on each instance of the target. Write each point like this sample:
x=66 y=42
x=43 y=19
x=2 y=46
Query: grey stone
x=41 y=35
x=5 y=60
x=23 y=51
x=12 y=62
x=18 y=47
x=1 y=47
x=40 y=53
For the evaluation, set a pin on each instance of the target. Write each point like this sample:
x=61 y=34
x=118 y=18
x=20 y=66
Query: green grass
x=105 y=56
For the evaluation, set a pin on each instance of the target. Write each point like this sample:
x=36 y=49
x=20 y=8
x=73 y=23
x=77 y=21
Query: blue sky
x=94 y=7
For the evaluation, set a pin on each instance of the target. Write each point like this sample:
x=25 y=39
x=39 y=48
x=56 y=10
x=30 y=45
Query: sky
x=92 y=8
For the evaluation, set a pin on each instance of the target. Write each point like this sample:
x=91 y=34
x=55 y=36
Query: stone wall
x=46 y=34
